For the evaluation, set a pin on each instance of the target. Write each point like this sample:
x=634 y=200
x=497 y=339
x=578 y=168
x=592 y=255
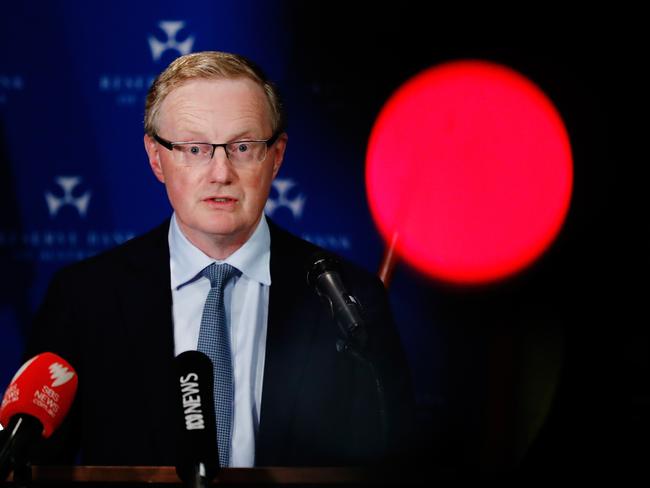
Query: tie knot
x=219 y=274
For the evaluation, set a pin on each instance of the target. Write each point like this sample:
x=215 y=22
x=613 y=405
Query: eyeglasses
x=240 y=153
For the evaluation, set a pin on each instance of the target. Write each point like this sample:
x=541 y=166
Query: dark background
x=545 y=373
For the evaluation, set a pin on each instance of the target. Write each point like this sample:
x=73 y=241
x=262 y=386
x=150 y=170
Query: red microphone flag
x=44 y=387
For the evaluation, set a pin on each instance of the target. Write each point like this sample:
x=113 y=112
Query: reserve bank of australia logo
x=282 y=187
x=67 y=184
x=170 y=28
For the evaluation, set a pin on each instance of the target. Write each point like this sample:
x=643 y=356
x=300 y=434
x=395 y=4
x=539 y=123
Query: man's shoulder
x=291 y=251
x=140 y=250
x=286 y=244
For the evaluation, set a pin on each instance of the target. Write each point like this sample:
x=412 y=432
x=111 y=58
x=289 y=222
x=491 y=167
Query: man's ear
x=154 y=158
x=278 y=152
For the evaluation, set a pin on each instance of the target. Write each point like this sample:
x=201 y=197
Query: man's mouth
x=221 y=202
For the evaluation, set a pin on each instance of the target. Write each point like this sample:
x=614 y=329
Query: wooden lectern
x=152 y=476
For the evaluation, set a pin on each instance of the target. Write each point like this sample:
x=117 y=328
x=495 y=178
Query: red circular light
x=469 y=165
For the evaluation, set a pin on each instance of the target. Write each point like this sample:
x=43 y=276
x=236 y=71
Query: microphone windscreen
x=44 y=387
x=197 y=425
x=318 y=264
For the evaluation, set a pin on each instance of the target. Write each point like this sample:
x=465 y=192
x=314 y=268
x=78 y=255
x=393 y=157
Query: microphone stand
x=21 y=432
x=199 y=478
x=345 y=310
x=354 y=344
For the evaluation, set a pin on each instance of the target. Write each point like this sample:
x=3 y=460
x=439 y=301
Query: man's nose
x=220 y=167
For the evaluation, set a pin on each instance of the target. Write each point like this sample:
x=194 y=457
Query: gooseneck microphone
x=346 y=310
x=324 y=277
x=34 y=406
x=198 y=455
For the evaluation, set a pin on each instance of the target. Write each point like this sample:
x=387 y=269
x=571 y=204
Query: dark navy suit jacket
x=111 y=317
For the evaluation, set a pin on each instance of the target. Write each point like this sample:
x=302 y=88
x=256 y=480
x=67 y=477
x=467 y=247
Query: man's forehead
x=202 y=87
x=220 y=94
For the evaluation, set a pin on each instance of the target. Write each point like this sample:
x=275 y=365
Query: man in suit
x=120 y=318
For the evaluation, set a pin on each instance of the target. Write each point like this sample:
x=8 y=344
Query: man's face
x=217 y=205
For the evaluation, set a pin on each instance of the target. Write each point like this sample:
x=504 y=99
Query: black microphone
x=345 y=308
x=198 y=455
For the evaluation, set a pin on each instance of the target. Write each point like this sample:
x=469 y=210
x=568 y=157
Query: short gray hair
x=209 y=65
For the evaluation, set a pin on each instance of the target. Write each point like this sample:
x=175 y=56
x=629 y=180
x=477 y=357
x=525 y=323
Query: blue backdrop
x=494 y=367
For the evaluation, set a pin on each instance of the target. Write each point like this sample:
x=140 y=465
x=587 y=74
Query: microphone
x=198 y=455
x=34 y=406
x=324 y=277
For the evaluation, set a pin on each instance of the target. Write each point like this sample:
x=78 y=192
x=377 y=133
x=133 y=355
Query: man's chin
x=228 y=232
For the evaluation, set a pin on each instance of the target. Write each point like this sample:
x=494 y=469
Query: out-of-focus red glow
x=470 y=164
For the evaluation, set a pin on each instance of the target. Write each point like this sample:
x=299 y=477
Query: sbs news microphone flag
x=44 y=388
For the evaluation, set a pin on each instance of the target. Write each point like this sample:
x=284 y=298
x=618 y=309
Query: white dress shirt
x=246 y=300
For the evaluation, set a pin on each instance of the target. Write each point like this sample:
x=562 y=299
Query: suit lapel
x=147 y=308
x=293 y=315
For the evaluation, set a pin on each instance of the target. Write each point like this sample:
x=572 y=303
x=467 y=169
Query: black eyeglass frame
x=170 y=145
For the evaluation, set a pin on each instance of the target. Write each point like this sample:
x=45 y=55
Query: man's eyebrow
x=190 y=135
x=245 y=135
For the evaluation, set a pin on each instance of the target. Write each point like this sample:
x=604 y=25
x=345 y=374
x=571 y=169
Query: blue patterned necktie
x=214 y=341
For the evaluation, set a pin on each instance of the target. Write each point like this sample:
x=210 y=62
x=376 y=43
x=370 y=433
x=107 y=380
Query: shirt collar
x=252 y=259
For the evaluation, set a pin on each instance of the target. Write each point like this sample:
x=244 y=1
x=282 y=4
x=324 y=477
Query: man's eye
x=195 y=150
x=242 y=147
